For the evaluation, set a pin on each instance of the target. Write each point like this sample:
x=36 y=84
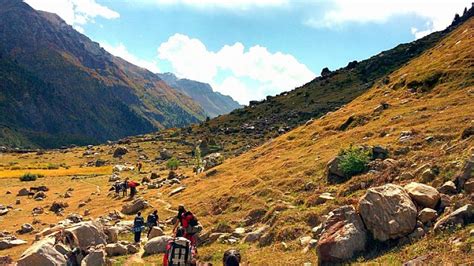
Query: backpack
x=179 y=253
x=194 y=225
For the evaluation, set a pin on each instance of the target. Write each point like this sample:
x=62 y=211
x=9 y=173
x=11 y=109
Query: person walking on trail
x=125 y=187
x=151 y=221
x=189 y=222
x=179 y=251
x=138 y=227
x=139 y=167
x=133 y=188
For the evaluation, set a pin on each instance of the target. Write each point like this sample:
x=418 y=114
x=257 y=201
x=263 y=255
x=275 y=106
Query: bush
x=354 y=160
x=52 y=166
x=172 y=164
x=28 y=177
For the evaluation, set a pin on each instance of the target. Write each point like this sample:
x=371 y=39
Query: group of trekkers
x=181 y=250
x=124 y=187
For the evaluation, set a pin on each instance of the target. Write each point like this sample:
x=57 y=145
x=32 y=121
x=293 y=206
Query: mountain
x=57 y=87
x=213 y=102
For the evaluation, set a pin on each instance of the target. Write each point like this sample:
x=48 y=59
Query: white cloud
x=121 y=51
x=75 y=12
x=439 y=13
x=226 y=4
x=272 y=72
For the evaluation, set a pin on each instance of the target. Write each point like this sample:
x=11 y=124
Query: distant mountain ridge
x=75 y=91
x=213 y=102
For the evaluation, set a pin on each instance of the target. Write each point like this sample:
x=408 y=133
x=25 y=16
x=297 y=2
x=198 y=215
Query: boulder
x=388 y=212
x=23 y=192
x=58 y=206
x=177 y=190
x=155 y=232
x=343 y=235
x=379 y=152
x=428 y=175
x=323 y=198
x=10 y=243
x=165 y=154
x=334 y=172
x=120 y=151
x=112 y=234
x=39 y=195
x=465 y=174
x=135 y=206
x=469 y=186
x=26 y=228
x=133 y=248
x=156 y=245
x=74 y=217
x=88 y=234
x=94 y=258
x=116 y=249
x=254 y=236
x=461 y=217
x=213 y=160
x=42 y=253
x=423 y=195
x=3 y=210
x=448 y=188
x=427 y=215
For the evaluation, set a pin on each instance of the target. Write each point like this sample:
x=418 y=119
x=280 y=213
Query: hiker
x=179 y=251
x=125 y=187
x=151 y=221
x=231 y=258
x=133 y=188
x=138 y=226
x=188 y=221
x=117 y=187
x=139 y=167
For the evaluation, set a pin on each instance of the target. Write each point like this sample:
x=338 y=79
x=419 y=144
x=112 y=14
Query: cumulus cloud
x=226 y=4
x=75 y=12
x=271 y=72
x=121 y=51
x=438 y=13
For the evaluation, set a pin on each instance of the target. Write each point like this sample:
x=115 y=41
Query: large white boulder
x=135 y=206
x=423 y=195
x=88 y=234
x=156 y=245
x=388 y=212
x=95 y=258
x=42 y=253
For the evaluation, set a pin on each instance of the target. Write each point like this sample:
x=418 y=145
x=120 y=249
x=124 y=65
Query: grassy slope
x=276 y=172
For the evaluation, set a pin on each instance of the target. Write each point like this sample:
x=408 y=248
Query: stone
x=58 y=206
x=42 y=253
x=469 y=186
x=317 y=230
x=462 y=216
x=334 y=172
x=343 y=236
x=445 y=201
x=388 y=212
x=323 y=198
x=423 y=195
x=17 y=202
x=177 y=190
x=155 y=232
x=94 y=258
x=157 y=245
x=135 y=206
x=39 y=195
x=120 y=151
x=67 y=194
x=254 y=236
x=406 y=176
x=212 y=160
x=416 y=234
x=465 y=174
x=10 y=243
x=23 y=192
x=132 y=249
x=112 y=234
x=99 y=163
x=116 y=249
x=88 y=234
x=165 y=154
x=379 y=152
x=427 y=215
x=74 y=217
x=26 y=228
x=304 y=241
x=428 y=175
x=3 y=210
x=448 y=188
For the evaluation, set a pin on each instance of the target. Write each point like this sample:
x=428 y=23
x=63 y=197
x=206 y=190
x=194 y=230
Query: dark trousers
x=137 y=236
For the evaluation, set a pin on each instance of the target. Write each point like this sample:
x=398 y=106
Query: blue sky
x=250 y=49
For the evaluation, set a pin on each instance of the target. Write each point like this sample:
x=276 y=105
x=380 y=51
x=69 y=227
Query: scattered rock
x=40 y=195
x=165 y=154
x=177 y=190
x=343 y=235
x=422 y=194
x=156 y=245
x=25 y=228
x=74 y=217
x=10 y=243
x=213 y=160
x=42 y=253
x=334 y=172
x=135 y=206
x=427 y=215
x=469 y=186
x=94 y=258
x=58 y=206
x=99 y=163
x=254 y=236
x=3 y=210
x=17 y=202
x=88 y=234
x=406 y=176
x=120 y=151
x=418 y=233
x=37 y=211
x=155 y=232
x=461 y=216
x=132 y=248
x=388 y=212
x=448 y=188
x=23 y=192
x=116 y=249
x=428 y=175
x=379 y=152
x=323 y=198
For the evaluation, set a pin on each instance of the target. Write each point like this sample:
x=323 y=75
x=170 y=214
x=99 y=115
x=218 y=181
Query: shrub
x=52 y=166
x=172 y=163
x=354 y=160
x=28 y=177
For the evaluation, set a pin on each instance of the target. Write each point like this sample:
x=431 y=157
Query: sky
x=249 y=49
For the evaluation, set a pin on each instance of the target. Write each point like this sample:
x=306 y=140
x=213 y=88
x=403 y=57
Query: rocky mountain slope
x=75 y=92
x=213 y=102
